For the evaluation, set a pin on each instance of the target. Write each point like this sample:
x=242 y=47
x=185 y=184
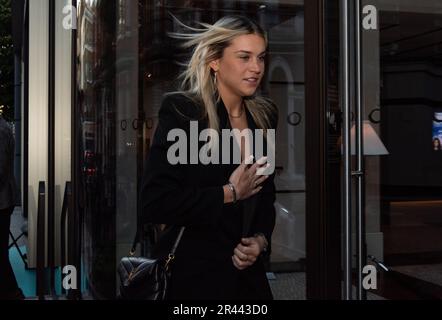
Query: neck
x=233 y=103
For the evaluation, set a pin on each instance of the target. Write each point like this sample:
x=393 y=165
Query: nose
x=255 y=66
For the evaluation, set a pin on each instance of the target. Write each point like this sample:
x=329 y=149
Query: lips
x=251 y=80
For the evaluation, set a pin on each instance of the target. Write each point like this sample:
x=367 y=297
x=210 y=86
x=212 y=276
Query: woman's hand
x=246 y=253
x=246 y=181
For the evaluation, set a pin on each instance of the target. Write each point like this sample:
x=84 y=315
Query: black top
x=192 y=195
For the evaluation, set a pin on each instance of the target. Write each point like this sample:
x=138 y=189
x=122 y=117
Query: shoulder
x=180 y=106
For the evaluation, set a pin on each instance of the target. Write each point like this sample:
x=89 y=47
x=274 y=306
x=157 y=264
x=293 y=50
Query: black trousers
x=8 y=283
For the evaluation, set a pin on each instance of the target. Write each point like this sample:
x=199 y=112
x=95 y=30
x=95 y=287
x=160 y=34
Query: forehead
x=248 y=42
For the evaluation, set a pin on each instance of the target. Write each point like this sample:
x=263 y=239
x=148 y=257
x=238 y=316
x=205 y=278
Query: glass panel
x=401 y=108
x=63 y=118
x=97 y=146
x=127 y=63
x=402 y=68
x=286 y=87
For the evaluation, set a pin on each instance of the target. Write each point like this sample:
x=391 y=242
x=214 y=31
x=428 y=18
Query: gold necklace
x=240 y=114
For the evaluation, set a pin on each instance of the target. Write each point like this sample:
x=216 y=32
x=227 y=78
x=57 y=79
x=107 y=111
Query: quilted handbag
x=144 y=278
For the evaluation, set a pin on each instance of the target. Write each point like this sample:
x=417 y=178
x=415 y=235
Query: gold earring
x=214 y=78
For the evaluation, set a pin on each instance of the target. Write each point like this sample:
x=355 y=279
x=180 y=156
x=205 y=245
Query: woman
x=227 y=209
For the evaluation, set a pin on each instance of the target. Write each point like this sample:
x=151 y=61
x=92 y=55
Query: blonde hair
x=198 y=79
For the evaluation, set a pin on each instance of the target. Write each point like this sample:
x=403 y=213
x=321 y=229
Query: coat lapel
x=249 y=204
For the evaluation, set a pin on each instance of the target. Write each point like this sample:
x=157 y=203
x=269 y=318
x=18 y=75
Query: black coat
x=192 y=195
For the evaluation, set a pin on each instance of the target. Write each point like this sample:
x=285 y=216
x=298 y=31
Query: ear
x=214 y=65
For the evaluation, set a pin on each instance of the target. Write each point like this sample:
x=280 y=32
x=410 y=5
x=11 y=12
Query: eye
x=244 y=57
x=262 y=58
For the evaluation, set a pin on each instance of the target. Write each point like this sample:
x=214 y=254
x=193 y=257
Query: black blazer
x=192 y=195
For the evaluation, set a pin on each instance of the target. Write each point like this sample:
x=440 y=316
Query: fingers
x=260 y=167
x=245 y=178
x=258 y=164
x=243 y=250
x=241 y=255
x=239 y=264
x=261 y=171
x=260 y=180
x=256 y=190
x=249 y=247
x=245 y=253
x=242 y=264
x=252 y=260
x=244 y=164
x=247 y=161
x=252 y=172
x=262 y=161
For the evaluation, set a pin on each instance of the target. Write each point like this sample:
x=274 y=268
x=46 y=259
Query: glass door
x=126 y=62
x=390 y=102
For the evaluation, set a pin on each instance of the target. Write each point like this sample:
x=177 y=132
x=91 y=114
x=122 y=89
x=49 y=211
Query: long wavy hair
x=198 y=79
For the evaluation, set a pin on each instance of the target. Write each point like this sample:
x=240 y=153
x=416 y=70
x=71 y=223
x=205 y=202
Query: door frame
x=323 y=205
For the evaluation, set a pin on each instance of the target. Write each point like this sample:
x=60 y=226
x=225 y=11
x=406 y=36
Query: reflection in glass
x=401 y=69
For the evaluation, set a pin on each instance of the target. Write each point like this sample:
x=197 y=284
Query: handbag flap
x=135 y=270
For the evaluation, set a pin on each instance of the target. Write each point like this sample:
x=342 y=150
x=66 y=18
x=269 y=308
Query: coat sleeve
x=264 y=221
x=265 y=215
x=165 y=196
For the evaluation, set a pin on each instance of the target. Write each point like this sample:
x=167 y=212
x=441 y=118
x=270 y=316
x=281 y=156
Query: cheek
x=233 y=73
x=235 y=68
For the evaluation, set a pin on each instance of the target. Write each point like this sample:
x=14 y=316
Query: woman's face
x=241 y=68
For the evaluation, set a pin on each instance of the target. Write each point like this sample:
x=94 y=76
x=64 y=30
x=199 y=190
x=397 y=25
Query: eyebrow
x=249 y=52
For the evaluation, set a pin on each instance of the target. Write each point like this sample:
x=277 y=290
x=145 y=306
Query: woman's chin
x=248 y=93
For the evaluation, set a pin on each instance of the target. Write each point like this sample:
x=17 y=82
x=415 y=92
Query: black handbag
x=144 y=278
